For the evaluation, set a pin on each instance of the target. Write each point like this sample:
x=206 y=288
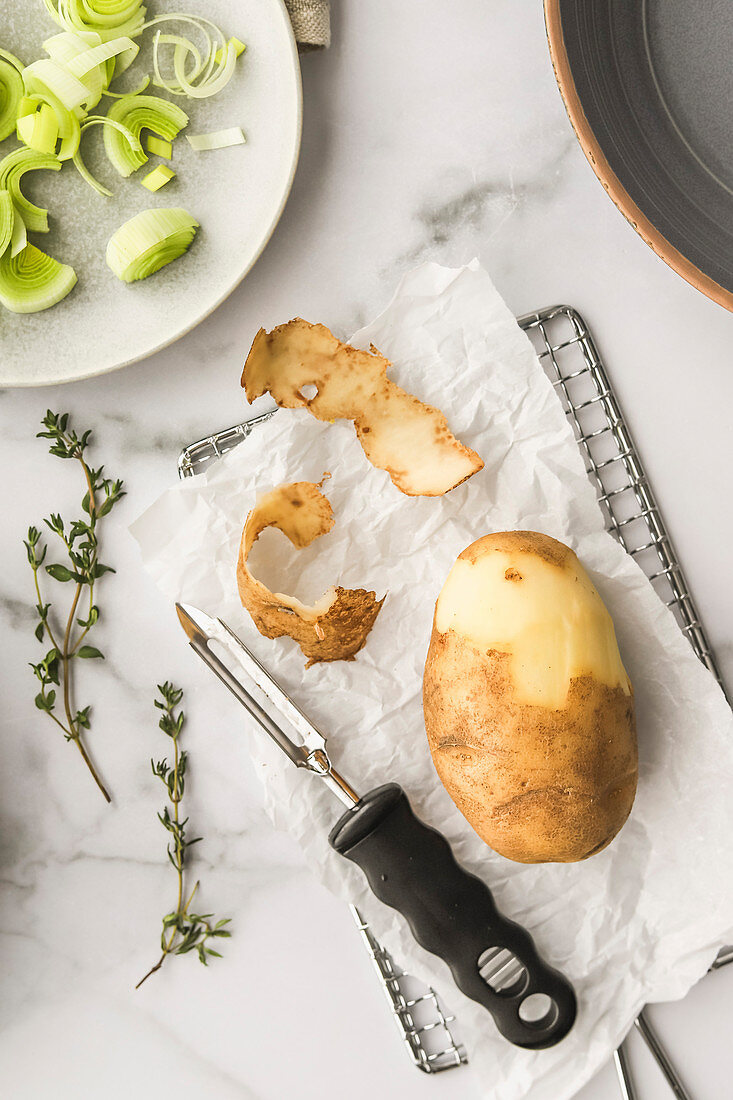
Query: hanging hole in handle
x=502 y=971
x=538 y=1010
x=309 y=391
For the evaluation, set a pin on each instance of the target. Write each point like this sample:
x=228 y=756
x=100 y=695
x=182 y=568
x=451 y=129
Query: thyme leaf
x=183 y=931
x=81 y=570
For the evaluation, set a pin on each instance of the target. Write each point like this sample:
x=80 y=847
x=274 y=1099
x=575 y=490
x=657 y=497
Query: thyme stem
x=95 y=776
x=81 y=544
x=183 y=931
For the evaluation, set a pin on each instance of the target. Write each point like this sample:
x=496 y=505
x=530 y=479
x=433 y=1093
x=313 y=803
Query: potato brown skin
x=537 y=784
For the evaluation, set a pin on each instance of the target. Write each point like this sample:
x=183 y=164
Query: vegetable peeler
x=409 y=865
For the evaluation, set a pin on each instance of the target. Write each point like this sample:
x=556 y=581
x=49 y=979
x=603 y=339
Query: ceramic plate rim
x=97 y=372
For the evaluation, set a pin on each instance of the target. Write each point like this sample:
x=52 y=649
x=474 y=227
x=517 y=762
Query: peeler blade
x=231 y=659
x=228 y=662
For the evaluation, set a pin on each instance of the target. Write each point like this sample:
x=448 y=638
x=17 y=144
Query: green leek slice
x=121 y=63
x=158 y=178
x=19 y=239
x=32 y=281
x=47 y=75
x=24 y=128
x=211 y=78
x=11 y=93
x=239 y=48
x=12 y=168
x=214 y=85
x=12 y=60
x=149 y=241
x=68 y=123
x=219 y=139
x=130 y=138
x=99 y=55
x=40 y=130
x=66 y=49
x=108 y=18
x=158 y=147
x=66 y=45
x=7 y=217
x=208 y=71
x=137 y=113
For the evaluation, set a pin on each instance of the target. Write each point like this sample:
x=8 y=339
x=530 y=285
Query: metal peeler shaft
x=311 y=754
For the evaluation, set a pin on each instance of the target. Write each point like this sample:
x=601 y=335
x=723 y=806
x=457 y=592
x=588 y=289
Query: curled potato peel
x=336 y=626
x=398 y=432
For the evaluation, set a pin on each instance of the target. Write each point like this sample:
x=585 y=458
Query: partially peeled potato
x=529 y=711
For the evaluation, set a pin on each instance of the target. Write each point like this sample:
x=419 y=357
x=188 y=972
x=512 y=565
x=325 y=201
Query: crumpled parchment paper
x=642 y=920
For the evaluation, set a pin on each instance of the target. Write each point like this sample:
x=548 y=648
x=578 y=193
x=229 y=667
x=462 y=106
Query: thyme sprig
x=183 y=931
x=81 y=543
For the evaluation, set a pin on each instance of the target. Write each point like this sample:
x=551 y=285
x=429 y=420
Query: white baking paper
x=642 y=920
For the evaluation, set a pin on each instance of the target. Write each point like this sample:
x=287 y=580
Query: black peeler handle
x=452 y=914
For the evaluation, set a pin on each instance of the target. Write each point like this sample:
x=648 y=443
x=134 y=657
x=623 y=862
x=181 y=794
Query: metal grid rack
x=570 y=359
x=568 y=354
x=418 y=1011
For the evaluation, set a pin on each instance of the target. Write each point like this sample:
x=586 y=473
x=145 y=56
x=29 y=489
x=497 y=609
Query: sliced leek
x=99 y=55
x=12 y=60
x=47 y=104
x=137 y=113
x=32 y=281
x=68 y=123
x=149 y=241
x=215 y=84
x=47 y=75
x=197 y=74
x=12 y=168
x=11 y=93
x=19 y=239
x=100 y=120
x=158 y=178
x=67 y=48
x=159 y=147
x=239 y=48
x=215 y=78
x=219 y=139
x=7 y=217
x=39 y=130
x=121 y=63
x=108 y=18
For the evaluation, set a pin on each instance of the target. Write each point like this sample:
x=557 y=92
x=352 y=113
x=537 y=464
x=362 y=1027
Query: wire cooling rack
x=569 y=356
x=570 y=359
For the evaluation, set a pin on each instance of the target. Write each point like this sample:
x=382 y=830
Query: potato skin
x=537 y=784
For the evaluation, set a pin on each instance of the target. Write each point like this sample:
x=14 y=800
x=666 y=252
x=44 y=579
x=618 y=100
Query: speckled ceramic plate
x=648 y=86
x=236 y=194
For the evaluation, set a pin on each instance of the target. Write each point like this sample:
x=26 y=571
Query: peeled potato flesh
x=529 y=711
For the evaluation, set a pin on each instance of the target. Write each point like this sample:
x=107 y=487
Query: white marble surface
x=429 y=133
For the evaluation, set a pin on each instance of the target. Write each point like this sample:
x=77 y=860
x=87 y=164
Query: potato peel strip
x=398 y=433
x=336 y=626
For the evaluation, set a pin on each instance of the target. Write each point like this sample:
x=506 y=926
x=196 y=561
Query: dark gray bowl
x=648 y=86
